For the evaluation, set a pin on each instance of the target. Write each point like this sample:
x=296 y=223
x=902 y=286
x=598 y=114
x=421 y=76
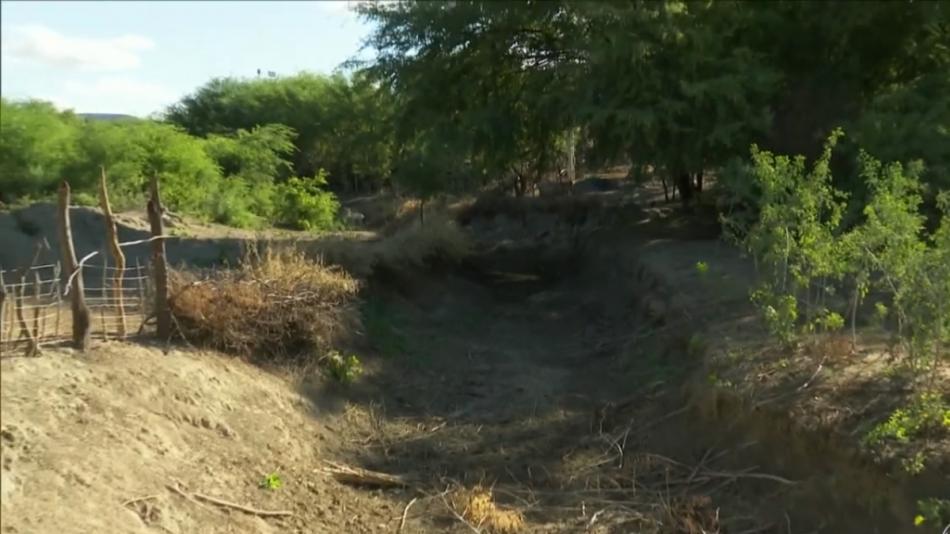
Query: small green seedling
x=702 y=268
x=272 y=482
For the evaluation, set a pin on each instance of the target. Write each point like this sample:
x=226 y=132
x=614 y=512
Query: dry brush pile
x=277 y=305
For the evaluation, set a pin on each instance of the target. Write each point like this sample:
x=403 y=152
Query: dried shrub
x=277 y=304
x=477 y=506
x=440 y=239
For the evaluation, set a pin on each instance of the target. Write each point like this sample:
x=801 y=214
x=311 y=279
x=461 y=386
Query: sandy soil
x=85 y=435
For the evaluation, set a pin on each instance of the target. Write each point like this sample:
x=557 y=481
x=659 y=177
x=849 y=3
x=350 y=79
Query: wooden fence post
x=3 y=307
x=32 y=338
x=159 y=265
x=116 y=250
x=77 y=299
x=38 y=310
x=104 y=293
x=57 y=292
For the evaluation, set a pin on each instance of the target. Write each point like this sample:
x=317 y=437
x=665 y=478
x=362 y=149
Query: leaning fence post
x=104 y=293
x=116 y=250
x=38 y=296
x=57 y=294
x=80 y=311
x=3 y=306
x=159 y=265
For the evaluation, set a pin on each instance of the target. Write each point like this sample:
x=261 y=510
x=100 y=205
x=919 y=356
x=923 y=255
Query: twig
x=139 y=499
x=177 y=489
x=670 y=415
x=764 y=476
x=593 y=518
x=197 y=497
x=242 y=508
x=405 y=514
x=807 y=383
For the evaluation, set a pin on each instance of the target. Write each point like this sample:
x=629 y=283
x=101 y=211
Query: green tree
x=37 y=144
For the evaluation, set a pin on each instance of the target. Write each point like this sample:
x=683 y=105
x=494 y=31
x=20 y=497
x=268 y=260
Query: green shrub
x=303 y=204
x=342 y=369
x=927 y=413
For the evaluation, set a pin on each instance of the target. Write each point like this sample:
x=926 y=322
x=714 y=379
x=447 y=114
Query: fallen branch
x=242 y=508
x=177 y=489
x=198 y=497
x=364 y=477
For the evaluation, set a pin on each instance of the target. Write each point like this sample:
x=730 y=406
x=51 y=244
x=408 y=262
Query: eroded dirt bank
x=564 y=374
x=575 y=388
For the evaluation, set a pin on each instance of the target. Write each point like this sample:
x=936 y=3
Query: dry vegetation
x=278 y=303
x=439 y=240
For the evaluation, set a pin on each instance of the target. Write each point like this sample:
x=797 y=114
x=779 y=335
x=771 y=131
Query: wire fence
x=34 y=308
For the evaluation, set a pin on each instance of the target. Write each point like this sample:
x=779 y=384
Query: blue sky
x=138 y=57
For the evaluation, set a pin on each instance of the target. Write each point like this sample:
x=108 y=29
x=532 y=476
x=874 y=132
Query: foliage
x=342 y=369
x=272 y=482
x=808 y=255
x=780 y=313
x=304 y=205
x=702 y=268
x=342 y=125
x=927 y=413
x=933 y=512
x=37 y=143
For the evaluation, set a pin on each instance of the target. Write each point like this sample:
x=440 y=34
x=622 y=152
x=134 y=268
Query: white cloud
x=35 y=43
x=120 y=86
x=113 y=94
x=337 y=7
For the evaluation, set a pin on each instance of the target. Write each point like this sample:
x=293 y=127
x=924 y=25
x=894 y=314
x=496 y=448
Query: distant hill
x=107 y=116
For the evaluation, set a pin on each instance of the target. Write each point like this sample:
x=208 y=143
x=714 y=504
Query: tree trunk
x=699 y=182
x=683 y=183
x=159 y=264
x=81 y=321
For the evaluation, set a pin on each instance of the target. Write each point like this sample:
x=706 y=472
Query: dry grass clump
x=439 y=239
x=477 y=507
x=692 y=515
x=277 y=303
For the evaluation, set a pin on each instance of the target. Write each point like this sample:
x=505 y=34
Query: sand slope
x=82 y=434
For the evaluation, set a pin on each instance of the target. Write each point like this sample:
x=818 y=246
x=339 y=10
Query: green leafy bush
x=304 y=205
x=927 y=413
x=808 y=255
x=342 y=369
